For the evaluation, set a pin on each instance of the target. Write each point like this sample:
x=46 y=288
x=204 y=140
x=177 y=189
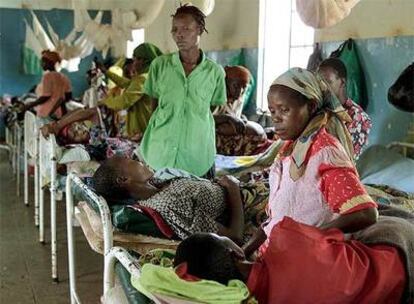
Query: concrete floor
x=25 y=270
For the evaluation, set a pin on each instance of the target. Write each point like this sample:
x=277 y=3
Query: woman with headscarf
x=53 y=90
x=132 y=98
x=313 y=179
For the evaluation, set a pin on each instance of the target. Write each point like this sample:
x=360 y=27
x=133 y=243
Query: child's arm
x=234 y=230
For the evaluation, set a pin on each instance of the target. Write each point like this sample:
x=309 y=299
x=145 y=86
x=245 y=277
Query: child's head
x=118 y=177
x=210 y=257
x=290 y=110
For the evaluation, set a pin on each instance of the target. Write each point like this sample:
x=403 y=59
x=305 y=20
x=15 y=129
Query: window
x=138 y=37
x=284 y=42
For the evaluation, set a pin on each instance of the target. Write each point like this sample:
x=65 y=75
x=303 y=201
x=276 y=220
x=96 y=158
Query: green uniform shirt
x=181 y=132
x=133 y=100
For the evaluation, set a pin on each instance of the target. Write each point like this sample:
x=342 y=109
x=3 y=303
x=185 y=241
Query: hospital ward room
x=207 y=152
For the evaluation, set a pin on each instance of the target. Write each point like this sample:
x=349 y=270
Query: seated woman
x=237 y=80
x=187 y=205
x=313 y=179
x=236 y=136
x=302 y=264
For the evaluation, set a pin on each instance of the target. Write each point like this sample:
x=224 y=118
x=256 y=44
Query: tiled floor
x=25 y=270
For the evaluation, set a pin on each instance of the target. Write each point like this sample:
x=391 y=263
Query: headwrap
x=238 y=72
x=330 y=115
x=148 y=52
x=51 y=56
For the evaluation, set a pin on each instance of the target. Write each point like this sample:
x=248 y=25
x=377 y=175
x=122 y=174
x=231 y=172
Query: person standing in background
x=184 y=85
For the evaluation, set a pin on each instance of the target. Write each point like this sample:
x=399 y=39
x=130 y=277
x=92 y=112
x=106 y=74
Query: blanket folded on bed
x=395 y=227
x=239 y=165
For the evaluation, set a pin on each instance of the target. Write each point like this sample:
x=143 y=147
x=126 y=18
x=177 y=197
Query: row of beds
x=92 y=211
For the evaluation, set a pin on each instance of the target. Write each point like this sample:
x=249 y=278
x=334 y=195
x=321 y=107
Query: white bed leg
x=41 y=215
x=13 y=147
x=26 y=174
x=71 y=243
x=37 y=182
x=19 y=137
x=53 y=246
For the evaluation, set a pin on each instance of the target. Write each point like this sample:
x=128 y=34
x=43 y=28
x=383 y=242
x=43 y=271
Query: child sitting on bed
x=186 y=204
x=301 y=264
x=313 y=179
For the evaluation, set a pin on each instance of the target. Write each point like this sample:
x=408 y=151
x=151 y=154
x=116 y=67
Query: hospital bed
x=99 y=243
x=50 y=156
x=388 y=165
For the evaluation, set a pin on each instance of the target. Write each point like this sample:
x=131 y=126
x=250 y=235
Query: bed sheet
x=381 y=166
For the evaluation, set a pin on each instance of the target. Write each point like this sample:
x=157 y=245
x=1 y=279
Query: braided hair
x=195 y=12
x=207 y=258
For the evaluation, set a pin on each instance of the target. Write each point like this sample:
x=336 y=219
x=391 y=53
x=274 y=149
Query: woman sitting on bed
x=235 y=135
x=313 y=179
x=186 y=204
x=237 y=81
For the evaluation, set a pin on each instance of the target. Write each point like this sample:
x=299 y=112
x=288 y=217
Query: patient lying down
x=187 y=205
x=300 y=264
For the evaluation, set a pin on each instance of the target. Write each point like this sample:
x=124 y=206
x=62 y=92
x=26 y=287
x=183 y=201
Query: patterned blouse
x=359 y=127
x=189 y=206
x=328 y=188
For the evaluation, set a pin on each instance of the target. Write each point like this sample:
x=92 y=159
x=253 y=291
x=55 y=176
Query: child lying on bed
x=301 y=264
x=186 y=204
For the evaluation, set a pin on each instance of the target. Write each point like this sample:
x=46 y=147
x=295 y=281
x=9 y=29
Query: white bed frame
x=48 y=170
x=118 y=254
x=31 y=150
x=105 y=214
